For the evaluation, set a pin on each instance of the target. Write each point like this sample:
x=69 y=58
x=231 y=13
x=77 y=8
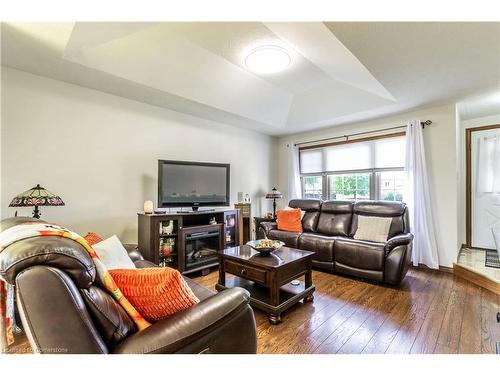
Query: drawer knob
x=243 y=272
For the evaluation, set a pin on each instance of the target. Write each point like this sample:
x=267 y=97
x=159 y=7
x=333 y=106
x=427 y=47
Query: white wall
x=462 y=125
x=99 y=152
x=440 y=141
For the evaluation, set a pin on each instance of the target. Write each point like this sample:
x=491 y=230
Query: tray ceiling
x=340 y=72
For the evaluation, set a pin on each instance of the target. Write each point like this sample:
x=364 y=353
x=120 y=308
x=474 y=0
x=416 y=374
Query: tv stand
x=196 y=209
x=186 y=240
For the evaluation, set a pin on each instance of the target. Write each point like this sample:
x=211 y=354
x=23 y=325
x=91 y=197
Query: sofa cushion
x=312 y=208
x=335 y=218
x=322 y=246
x=290 y=239
x=359 y=254
x=359 y=272
x=395 y=210
x=110 y=318
x=309 y=205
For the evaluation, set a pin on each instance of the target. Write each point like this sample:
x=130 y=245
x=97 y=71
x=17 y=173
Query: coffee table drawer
x=247 y=272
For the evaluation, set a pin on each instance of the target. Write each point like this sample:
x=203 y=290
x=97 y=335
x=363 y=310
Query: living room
x=251 y=187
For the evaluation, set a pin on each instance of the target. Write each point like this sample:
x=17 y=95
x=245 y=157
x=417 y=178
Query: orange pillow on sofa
x=289 y=220
x=155 y=292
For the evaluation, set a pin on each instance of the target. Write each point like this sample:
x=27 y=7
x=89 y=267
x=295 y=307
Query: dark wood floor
x=430 y=312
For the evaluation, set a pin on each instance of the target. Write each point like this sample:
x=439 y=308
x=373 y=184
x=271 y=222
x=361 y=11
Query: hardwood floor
x=430 y=312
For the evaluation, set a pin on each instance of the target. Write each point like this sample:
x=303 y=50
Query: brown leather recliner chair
x=328 y=231
x=63 y=309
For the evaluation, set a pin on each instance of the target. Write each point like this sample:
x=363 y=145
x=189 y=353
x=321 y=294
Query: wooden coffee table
x=268 y=278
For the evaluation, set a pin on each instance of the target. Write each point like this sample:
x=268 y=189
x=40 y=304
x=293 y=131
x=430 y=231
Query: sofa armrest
x=208 y=326
x=400 y=239
x=268 y=226
x=144 y=264
x=133 y=252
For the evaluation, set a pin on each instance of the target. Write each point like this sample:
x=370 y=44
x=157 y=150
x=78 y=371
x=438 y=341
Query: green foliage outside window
x=392 y=196
x=350 y=186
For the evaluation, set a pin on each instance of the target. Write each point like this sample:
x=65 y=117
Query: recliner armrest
x=268 y=226
x=183 y=329
x=400 y=239
x=144 y=264
x=133 y=252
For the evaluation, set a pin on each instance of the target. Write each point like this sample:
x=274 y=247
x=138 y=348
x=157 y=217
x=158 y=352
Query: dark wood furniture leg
x=222 y=273
x=274 y=290
x=308 y=281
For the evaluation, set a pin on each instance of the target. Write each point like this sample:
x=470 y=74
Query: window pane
x=312 y=187
x=390 y=153
x=391 y=185
x=311 y=161
x=349 y=186
x=348 y=157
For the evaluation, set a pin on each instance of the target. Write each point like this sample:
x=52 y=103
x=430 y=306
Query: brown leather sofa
x=63 y=309
x=328 y=230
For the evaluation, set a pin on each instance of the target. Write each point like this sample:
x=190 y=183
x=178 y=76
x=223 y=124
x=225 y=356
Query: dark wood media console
x=186 y=240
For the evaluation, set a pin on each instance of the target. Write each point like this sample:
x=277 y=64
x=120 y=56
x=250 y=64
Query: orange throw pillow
x=155 y=292
x=92 y=238
x=289 y=220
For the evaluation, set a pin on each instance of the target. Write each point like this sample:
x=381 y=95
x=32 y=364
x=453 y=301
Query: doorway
x=482 y=186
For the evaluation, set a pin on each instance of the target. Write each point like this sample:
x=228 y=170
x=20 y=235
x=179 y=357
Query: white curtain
x=488 y=175
x=418 y=199
x=294 y=189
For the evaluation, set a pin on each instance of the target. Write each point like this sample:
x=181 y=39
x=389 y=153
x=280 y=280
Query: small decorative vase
x=168 y=229
x=166 y=250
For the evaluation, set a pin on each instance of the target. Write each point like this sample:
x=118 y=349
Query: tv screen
x=182 y=183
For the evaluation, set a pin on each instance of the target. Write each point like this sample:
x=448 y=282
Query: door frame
x=468 y=179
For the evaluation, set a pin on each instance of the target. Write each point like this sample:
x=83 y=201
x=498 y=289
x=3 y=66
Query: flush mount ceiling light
x=267 y=59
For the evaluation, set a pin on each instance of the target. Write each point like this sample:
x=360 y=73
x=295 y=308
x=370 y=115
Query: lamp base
x=36 y=213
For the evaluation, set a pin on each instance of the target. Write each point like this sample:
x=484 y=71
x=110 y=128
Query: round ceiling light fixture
x=267 y=59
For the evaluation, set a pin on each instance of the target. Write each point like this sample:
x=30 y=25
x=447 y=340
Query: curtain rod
x=423 y=123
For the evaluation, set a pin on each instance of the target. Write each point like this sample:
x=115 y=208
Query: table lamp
x=36 y=196
x=274 y=194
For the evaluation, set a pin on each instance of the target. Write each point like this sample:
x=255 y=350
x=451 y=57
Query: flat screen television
x=192 y=184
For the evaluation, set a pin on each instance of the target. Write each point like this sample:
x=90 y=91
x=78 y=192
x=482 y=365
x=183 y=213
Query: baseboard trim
x=446 y=269
x=441 y=268
x=476 y=278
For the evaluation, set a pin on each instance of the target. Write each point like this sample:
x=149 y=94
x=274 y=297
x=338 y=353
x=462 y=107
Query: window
x=353 y=171
x=390 y=185
x=349 y=186
x=312 y=187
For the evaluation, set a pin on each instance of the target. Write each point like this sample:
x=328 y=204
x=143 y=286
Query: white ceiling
x=340 y=72
x=487 y=104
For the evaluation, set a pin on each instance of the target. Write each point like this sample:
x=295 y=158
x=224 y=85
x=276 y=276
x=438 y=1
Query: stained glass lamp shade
x=274 y=194
x=37 y=196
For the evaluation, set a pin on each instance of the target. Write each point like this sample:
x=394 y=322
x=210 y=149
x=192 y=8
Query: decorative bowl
x=265 y=246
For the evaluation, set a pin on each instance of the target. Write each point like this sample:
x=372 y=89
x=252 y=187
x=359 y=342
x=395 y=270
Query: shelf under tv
x=186 y=224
